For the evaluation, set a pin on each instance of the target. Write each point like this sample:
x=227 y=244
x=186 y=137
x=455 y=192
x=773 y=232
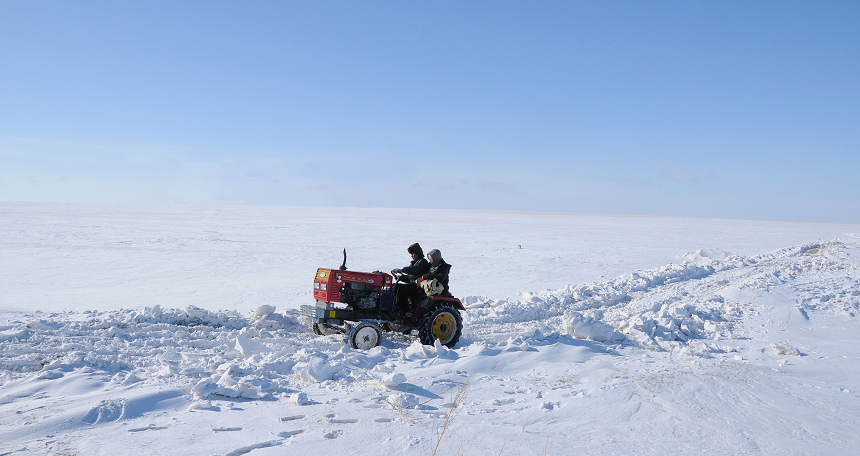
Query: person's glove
x=396 y=271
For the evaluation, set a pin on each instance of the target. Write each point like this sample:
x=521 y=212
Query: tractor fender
x=450 y=300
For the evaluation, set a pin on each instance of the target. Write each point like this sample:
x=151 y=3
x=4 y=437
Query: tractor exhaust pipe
x=343 y=266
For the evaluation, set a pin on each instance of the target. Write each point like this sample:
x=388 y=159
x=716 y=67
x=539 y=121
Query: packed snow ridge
x=686 y=308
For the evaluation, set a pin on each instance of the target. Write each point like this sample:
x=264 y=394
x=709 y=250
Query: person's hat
x=415 y=248
x=436 y=255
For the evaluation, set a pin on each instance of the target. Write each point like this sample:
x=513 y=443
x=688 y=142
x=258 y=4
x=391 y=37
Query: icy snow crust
x=715 y=353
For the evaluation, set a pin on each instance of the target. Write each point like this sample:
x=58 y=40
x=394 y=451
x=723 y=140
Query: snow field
x=204 y=358
x=713 y=352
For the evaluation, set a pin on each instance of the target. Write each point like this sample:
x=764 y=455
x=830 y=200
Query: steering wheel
x=399 y=277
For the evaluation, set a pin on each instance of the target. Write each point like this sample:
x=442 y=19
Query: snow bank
x=668 y=307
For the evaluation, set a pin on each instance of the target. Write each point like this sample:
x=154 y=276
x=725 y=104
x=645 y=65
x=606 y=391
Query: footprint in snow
x=550 y=406
x=345 y=421
x=291 y=418
x=288 y=434
x=151 y=427
x=228 y=429
x=333 y=434
x=256 y=446
x=332 y=418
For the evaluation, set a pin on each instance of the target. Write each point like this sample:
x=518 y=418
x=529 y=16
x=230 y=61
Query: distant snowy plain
x=150 y=330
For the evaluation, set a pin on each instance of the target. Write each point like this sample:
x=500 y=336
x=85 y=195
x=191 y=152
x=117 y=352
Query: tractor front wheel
x=442 y=323
x=364 y=336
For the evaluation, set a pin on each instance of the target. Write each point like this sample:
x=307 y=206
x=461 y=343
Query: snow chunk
x=583 y=327
x=416 y=350
x=392 y=380
x=479 y=349
x=705 y=256
x=202 y=386
x=299 y=398
x=437 y=350
x=784 y=350
x=126 y=379
x=202 y=405
x=51 y=375
x=317 y=370
x=264 y=310
x=196 y=312
x=248 y=346
x=253 y=392
x=403 y=400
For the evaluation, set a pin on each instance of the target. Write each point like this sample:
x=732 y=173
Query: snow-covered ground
x=142 y=330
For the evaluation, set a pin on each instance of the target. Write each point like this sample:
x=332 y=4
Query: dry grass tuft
x=454 y=409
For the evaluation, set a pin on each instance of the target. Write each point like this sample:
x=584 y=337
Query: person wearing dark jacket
x=417 y=267
x=409 y=291
x=434 y=282
x=439 y=270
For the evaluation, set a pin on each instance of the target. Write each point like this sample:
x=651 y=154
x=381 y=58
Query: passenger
x=418 y=267
x=439 y=270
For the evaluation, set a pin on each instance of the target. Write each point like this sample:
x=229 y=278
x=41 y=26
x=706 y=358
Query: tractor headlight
x=316 y=285
x=324 y=287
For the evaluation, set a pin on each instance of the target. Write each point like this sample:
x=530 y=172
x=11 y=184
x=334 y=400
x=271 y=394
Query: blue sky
x=708 y=109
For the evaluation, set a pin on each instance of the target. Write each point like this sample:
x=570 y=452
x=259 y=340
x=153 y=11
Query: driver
x=417 y=292
x=417 y=268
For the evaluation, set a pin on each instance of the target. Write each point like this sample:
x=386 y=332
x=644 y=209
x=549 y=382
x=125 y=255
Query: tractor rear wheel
x=442 y=323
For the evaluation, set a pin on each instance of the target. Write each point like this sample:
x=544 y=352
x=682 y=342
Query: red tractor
x=368 y=298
